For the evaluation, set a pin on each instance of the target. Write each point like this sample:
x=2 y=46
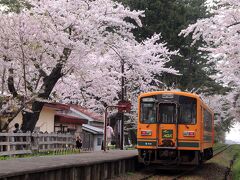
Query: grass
x=236 y=169
x=54 y=153
x=227 y=156
x=113 y=147
x=217 y=145
x=236 y=165
x=4 y=157
x=43 y=153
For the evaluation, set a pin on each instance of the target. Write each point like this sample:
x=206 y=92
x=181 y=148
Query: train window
x=148 y=112
x=167 y=113
x=207 y=120
x=187 y=110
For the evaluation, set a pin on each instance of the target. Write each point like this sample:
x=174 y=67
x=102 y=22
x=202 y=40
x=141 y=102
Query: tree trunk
x=31 y=117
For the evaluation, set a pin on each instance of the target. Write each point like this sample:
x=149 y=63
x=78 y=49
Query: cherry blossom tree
x=61 y=48
x=221 y=32
x=142 y=61
x=226 y=111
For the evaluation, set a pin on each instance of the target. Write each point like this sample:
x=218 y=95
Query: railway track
x=220 y=150
x=220 y=147
x=156 y=174
x=216 y=152
x=185 y=173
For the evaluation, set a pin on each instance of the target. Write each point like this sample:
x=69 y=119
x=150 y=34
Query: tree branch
x=50 y=81
x=234 y=24
x=12 y=117
x=3 y=79
x=11 y=86
x=40 y=70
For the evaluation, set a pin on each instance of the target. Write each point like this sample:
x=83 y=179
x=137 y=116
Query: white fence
x=28 y=143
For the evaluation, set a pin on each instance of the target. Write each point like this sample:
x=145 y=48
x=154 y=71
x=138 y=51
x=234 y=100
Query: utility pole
x=122 y=99
x=123 y=106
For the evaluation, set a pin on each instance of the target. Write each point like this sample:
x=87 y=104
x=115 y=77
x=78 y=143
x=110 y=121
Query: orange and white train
x=174 y=128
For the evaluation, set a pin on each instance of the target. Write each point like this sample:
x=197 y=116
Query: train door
x=168 y=127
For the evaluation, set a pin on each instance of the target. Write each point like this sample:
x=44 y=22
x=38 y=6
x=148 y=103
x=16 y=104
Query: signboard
x=167 y=133
x=147 y=143
x=148 y=99
x=124 y=106
x=167 y=96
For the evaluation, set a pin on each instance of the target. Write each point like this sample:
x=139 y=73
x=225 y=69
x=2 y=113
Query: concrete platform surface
x=41 y=163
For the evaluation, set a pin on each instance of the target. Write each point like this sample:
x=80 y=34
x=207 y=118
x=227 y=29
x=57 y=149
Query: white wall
x=95 y=146
x=45 y=122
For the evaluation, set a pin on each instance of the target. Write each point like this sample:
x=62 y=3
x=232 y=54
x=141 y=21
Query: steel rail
x=223 y=148
x=219 y=147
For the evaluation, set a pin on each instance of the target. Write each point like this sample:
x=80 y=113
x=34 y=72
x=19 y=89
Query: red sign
x=189 y=133
x=124 y=106
x=146 y=133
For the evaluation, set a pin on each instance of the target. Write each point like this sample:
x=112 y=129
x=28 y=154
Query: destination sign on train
x=167 y=96
x=148 y=99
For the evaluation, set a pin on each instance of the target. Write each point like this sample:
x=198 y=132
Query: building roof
x=86 y=113
x=92 y=129
x=73 y=113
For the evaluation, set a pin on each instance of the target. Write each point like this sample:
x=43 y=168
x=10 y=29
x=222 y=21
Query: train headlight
x=146 y=132
x=189 y=133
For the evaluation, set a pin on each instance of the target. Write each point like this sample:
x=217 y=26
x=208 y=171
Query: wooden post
x=105 y=130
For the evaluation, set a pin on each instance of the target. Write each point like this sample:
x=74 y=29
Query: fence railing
x=28 y=143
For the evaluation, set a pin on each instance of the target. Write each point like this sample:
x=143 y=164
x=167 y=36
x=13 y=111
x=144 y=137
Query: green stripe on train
x=180 y=144
x=147 y=143
x=188 y=144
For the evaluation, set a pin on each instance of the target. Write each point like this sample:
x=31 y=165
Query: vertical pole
x=122 y=99
x=105 y=130
x=122 y=131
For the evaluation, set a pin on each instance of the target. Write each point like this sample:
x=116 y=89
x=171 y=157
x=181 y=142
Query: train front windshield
x=187 y=111
x=148 y=110
x=167 y=113
x=181 y=110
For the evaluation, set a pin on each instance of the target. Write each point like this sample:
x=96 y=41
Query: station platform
x=94 y=165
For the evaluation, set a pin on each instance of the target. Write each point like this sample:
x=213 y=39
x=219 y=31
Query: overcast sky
x=234 y=134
